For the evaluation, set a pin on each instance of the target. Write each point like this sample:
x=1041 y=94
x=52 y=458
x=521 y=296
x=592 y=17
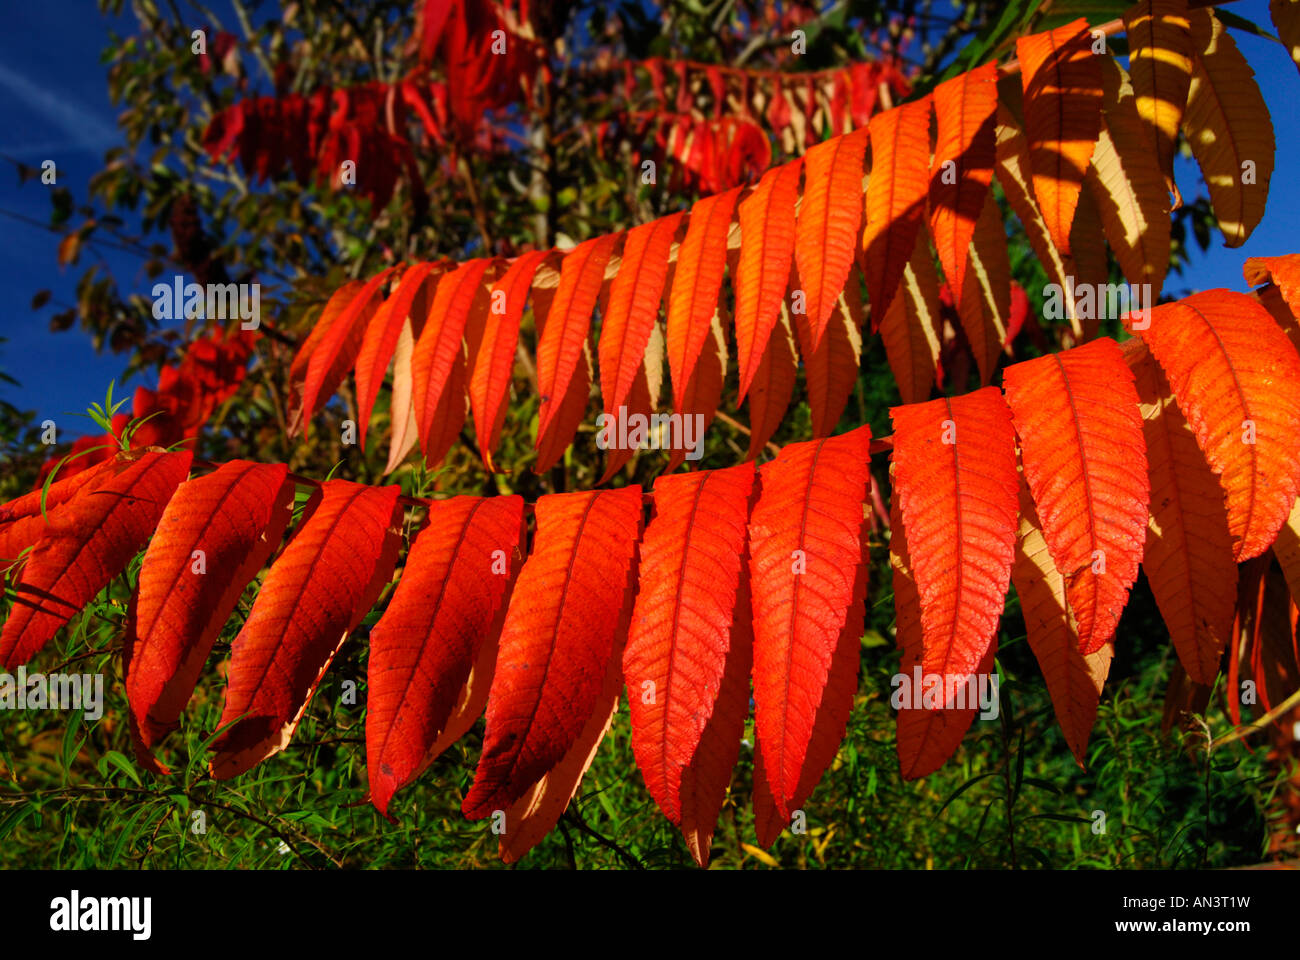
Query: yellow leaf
x=1126 y=182
x=1188 y=558
x=1087 y=264
x=986 y=294
x=1286 y=17
x=1229 y=129
x=761 y=855
x=1074 y=680
x=1013 y=173
x=910 y=327
x=69 y=247
x=1160 y=58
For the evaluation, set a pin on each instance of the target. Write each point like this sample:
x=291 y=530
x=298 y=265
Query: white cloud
x=85 y=131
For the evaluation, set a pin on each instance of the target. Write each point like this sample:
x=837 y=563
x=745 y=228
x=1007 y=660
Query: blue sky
x=54 y=105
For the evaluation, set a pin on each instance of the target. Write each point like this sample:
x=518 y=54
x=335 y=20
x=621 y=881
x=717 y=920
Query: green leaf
x=116 y=759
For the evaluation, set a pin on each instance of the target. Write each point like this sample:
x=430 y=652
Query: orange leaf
x=1080 y=430
x=1074 y=680
x=214 y=536
x=773 y=385
x=830 y=216
x=928 y=733
x=87 y=543
x=700 y=398
x=1061 y=79
x=562 y=345
x=697 y=282
x=634 y=298
x=985 y=306
x=962 y=168
x=954 y=467
x=896 y=192
x=690 y=615
x=910 y=328
x=1284 y=273
x=1227 y=125
x=1237 y=380
x=1188 y=559
x=767 y=236
x=1160 y=61
x=1125 y=180
x=316 y=593
x=808 y=582
x=561 y=630
x=1286 y=17
x=831 y=368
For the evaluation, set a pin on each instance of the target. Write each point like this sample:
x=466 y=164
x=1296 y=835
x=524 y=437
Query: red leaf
x=684 y=623
x=830 y=217
x=1080 y=430
x=560 y=632
x=212 y=540
x=1236 y=377
x=955 y=482
x=896 y=192
x=697 y=283
x=962 y=170
x=1061 y=77
x=766 y=247
x=634 y=298
x=86 y=544
x=808 y=579
x=21 y=522
x=562 y=341
x=495 y=359
x=338 y=347
x=438 y=363
x=320 y=587
x=530 y=818
x=382 y=333
x=447 y=605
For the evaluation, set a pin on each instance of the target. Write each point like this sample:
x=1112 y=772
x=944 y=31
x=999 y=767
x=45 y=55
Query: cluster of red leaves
x=813 y=105
x=207 y=376
x=729 y=141
x=313 y=135
x=487 y=63
x=712 y=155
